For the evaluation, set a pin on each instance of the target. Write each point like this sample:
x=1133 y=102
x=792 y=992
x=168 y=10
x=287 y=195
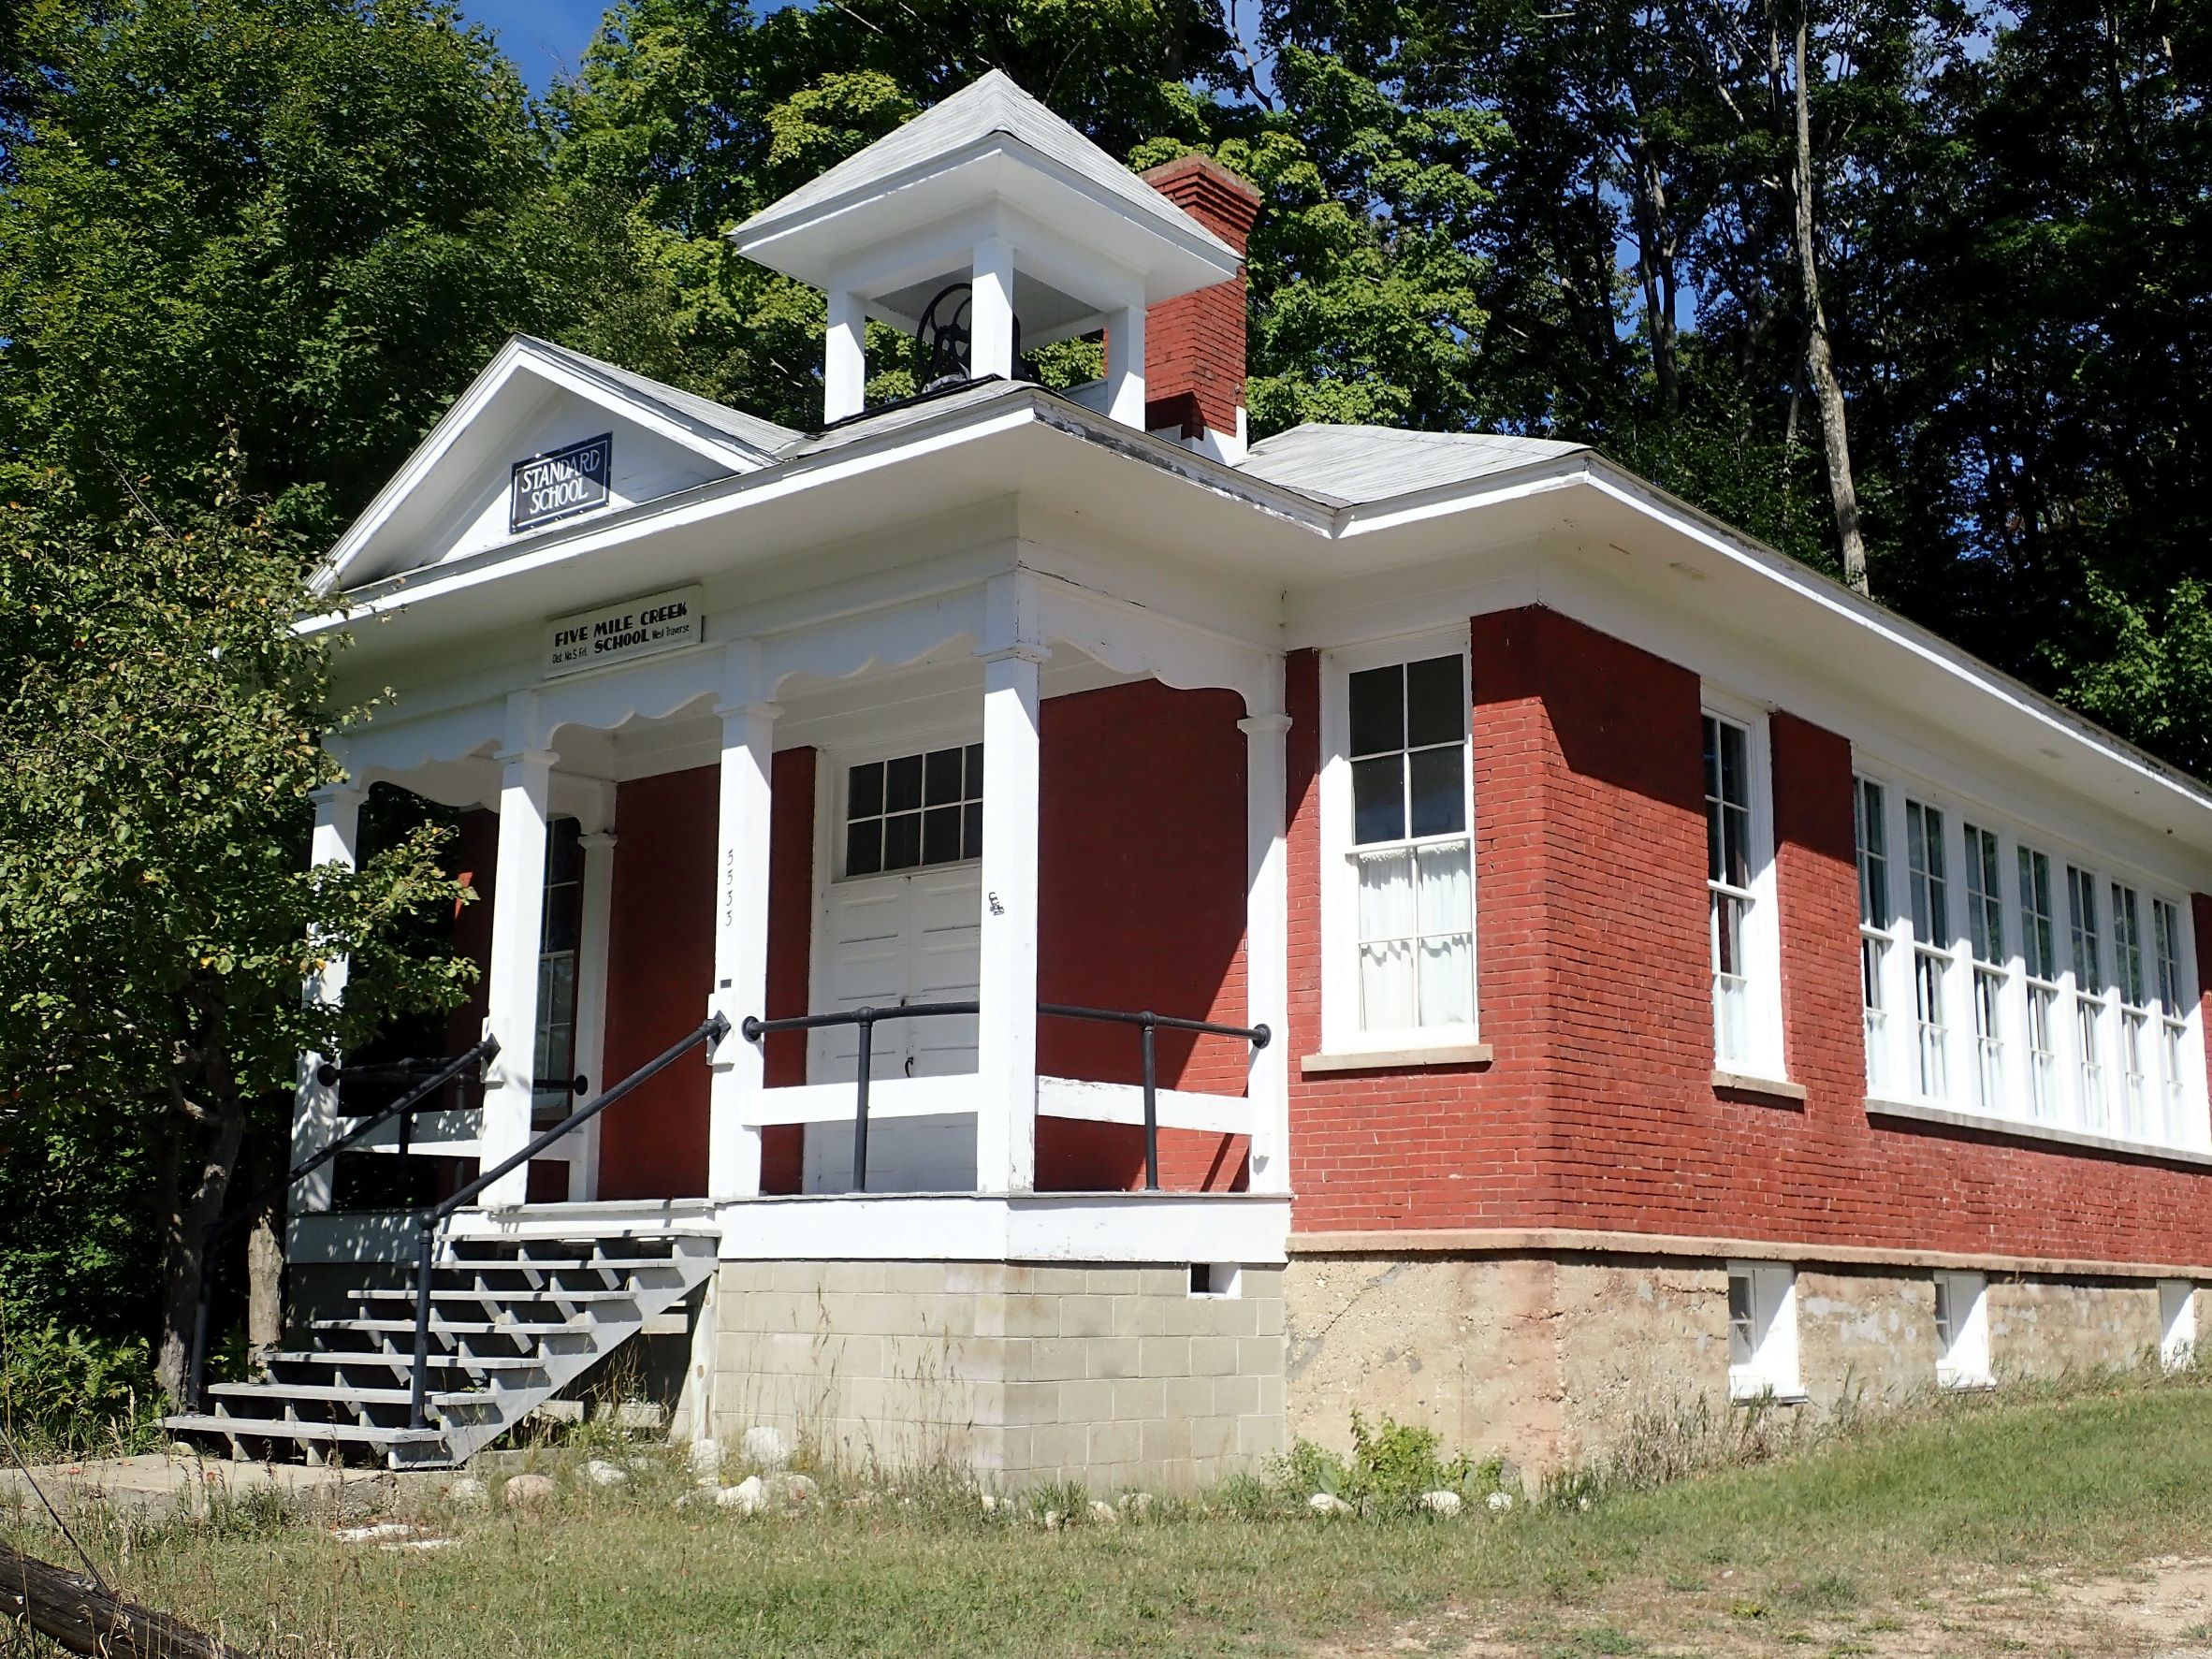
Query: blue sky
x=544 y=37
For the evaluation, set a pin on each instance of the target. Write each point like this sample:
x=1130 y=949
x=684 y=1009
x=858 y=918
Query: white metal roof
x=1351 y=465
x=763 y=436
x=983 y=107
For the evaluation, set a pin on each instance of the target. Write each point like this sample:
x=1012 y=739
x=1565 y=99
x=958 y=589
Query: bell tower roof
x=894 y=224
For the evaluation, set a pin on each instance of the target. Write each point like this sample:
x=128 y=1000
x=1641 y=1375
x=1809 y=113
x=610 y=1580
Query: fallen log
x=86 y=1618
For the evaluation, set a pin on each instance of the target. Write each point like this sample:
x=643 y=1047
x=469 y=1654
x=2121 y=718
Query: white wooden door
x=888 y=942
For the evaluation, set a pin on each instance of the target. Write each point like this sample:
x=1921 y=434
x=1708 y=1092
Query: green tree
x=294 y=228
x=157 y=919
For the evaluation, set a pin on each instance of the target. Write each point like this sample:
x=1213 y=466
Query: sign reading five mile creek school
x=560 y=481
x=613 y=634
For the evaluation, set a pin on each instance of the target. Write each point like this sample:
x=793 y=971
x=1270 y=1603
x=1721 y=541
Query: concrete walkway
x=161 y=1482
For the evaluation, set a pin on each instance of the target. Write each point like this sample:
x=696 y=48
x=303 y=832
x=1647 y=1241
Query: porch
x=930 y=984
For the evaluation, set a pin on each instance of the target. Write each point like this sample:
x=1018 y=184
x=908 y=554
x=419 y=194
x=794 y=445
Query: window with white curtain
x=1985 y=925
x=2044 y=986
x=1876 y=920
x=1930 y=895
x=2173 y=1021
x=2039 y=956
x=1410 y=852
x=2133 y=984
x=2088 y=993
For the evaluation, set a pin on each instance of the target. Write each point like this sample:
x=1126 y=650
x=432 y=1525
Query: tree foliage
x=158 y=916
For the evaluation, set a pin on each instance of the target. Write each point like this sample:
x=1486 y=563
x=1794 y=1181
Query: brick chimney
x=1194 y=346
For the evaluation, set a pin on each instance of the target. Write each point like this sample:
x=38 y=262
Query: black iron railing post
x=1151 y=1029
x=418 y=1399
x=860 y=1100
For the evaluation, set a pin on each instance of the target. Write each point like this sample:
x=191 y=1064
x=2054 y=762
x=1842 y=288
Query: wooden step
x=259 y=1428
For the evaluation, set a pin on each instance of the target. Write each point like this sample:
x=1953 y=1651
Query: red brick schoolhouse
x=1419 y=923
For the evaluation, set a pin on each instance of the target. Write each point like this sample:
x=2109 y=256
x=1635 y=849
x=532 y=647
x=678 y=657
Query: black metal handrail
x=1152 y=1024
x=429 y=1221
x=404 y=1107
x=754 y=1028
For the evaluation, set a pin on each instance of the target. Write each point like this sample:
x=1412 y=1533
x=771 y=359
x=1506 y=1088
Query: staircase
x=513 y=1321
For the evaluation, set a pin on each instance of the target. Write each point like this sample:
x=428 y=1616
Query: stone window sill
x=2012 y=1128
x=1398 y=1060
x=1776 y=1091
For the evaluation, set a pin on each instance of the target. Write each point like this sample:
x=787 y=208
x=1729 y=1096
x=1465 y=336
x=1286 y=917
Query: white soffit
x=989 y=144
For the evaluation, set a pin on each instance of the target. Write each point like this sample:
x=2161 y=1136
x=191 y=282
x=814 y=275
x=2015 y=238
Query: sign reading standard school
x=558 y=483
x=617 y=632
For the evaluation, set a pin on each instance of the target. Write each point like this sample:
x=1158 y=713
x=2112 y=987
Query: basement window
x=1962 y=1331
x=1763 y=1331
x=1221 y=1280
x=2178 y=1323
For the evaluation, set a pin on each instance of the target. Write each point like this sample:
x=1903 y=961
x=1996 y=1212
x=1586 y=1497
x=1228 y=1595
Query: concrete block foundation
x=1017 y=1374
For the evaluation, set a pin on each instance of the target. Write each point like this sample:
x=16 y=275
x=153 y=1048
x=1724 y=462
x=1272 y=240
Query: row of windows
x=1999 y=976
x=1763 y=1329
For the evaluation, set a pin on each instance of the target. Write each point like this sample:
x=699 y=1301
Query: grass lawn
x=1981 y=1525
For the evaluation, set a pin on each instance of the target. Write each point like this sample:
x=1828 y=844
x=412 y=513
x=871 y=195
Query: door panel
x=893 y=940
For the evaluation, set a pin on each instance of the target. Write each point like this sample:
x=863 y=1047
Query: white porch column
x=315 y=1112
x=598 y=847
x=991 y=320
x=1267 y=941
x=517 y=930
x=845 y=368
x=1006 y=1035
x=1125 y=367
x=740 y=924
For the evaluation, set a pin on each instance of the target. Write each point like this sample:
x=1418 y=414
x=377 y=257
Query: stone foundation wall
x=1547 y=1361
x=1015 y=1373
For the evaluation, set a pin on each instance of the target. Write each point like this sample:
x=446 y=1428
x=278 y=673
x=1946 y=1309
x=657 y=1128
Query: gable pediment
x=543 y=439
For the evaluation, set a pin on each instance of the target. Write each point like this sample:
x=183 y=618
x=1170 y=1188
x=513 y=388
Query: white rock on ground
x=800 y=1488
x=599 y=1472
x=1053 y=1521
x=748 y=1497
x=465 y=1491
x=765 y=1446
x=1323 y=1503
x=1105 y=1514
x=706 y=1462
x=1500 y=1501
x=528 y=1492
x=1136 y=1503
x=1441 y=1502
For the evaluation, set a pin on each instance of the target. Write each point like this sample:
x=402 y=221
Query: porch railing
x=429 y=1221
x=866 y=1019
x=435 y=1075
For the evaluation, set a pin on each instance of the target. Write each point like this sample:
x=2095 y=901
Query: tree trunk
x=88 y=1618
x=1820 y=363
x=264 y=1253
x=197 y=1179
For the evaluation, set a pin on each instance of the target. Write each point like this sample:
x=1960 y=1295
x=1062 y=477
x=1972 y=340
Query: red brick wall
x=1194 y=346
x=1141 y=905
x=1598 y=1111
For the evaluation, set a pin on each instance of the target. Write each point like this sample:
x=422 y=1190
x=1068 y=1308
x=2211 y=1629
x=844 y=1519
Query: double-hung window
x=2173 y=1018
x=2039 y=956
x=1401 y=925
x=1931 y=893
x=1742 y=936
x=2088 y=993
x=1876 y=918
x=2136 y=1054
x=1985 y=919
